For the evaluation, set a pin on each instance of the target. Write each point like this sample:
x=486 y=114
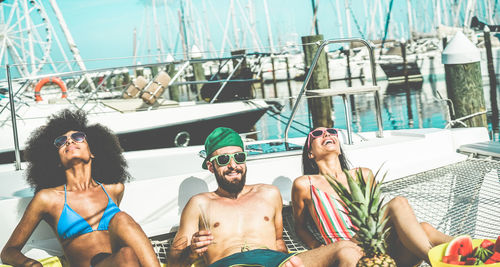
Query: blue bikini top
x=71 y=224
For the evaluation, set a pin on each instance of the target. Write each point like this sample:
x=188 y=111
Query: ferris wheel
x=25 y=36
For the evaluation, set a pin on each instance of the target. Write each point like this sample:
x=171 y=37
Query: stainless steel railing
x=346 y=103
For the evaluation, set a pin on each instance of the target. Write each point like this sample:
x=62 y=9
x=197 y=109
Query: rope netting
x=461 y=198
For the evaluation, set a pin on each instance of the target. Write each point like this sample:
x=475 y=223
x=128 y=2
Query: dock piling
x=242 y=89
x=320 y=108
x=463 y=80
x=288 y=76
x=173 y=89
x=198 y=75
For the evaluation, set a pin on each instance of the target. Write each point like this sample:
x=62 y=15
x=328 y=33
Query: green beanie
x=221 y=137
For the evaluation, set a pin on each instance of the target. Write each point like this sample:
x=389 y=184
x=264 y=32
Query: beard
x=233 y=187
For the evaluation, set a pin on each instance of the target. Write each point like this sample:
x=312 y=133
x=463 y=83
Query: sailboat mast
x=348 y=19
x=71 y=42
x=67 y=34
x=159 y=46
x=339 y=18
x=269 y=32
x=134 y=48
x=235 y=26
x=183 y=32
x=437 y=13
x=410 y=21
x=315 y=16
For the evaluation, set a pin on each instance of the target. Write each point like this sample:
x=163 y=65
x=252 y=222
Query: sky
x=104 y=29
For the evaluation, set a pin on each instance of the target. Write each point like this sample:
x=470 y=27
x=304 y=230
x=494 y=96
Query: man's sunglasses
x=224 y=159
x=320 y=132
x=77 y=137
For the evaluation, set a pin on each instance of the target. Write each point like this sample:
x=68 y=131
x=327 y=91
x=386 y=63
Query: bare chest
x=241 y=216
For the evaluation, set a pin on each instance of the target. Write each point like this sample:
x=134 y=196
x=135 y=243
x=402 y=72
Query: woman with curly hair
x=313 y=198
x=78 y=172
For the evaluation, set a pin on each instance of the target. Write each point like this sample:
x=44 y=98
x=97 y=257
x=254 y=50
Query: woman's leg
x=340 y=253
x=124 y=257
x=126 y=233
x=416 y=238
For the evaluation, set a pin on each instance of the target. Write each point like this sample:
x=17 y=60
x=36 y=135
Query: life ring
x=46 y=80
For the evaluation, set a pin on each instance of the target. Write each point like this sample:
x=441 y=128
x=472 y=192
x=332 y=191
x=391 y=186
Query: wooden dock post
x=198 y=75
x=139 y=72
x=274 y=77
x=173 y=90
x=242 y=89
x=320 y=108
x=126 y=77
x=406 y=85
x=463 y=79
x=262 y=85
x=154 y=71
x=493 y=81
x=288 y=77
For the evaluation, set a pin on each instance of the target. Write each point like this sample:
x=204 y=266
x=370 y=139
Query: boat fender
x=155 y=89
x=46 y=80
x=182 y=139
x=135 y=88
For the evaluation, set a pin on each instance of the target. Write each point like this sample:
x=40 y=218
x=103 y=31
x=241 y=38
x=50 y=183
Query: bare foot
x=294 y=262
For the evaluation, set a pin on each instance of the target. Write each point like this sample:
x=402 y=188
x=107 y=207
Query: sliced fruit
x=489 y=261
x=487 y=244
x=497 y=245
x=449 y=258
x=482 y=253
x=495 y=257
x=470 y=261
x=460 y=245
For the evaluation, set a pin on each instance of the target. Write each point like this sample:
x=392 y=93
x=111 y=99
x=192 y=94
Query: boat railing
x=345 y=93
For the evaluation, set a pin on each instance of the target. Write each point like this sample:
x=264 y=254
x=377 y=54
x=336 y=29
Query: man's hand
x=200 y=242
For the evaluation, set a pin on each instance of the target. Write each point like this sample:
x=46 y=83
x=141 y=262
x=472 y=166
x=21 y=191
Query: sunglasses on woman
x=224 y=159
x=320 y=132
x=77 y=137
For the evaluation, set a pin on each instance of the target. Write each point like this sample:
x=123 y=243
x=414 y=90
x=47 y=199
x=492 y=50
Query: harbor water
x=418 y=105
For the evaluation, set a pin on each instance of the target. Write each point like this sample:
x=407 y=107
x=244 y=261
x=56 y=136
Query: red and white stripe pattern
x=331 y=218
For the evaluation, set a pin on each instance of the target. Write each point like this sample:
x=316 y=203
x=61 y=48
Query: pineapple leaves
x=363 y=201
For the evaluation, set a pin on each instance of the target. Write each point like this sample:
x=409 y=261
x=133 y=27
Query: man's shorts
x=257 y=257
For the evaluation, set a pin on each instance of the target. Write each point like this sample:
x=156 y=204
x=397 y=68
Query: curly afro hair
x=44 y=165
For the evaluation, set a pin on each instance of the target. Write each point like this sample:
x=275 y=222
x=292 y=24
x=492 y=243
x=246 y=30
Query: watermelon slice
x=497 y=245
x=495 y=257
x=450 y=258
x=460 y=245
x=487 y=244
x=470 y=261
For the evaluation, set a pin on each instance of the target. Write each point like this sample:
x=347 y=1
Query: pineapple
x=362 y=201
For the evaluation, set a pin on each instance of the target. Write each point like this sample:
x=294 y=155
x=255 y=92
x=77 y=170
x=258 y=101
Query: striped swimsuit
x=330 y=217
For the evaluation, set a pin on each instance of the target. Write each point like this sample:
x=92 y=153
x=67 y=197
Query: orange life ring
x=46 y=80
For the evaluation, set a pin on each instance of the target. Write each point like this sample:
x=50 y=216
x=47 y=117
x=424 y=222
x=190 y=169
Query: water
x=417 y=107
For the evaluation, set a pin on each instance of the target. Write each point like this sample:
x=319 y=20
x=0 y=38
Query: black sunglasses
x=224 y=159
x=77 y=137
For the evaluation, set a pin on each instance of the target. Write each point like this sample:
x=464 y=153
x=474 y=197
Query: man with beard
x=240 y=224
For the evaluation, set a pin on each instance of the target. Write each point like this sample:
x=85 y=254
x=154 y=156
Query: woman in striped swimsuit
x=314 y=199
